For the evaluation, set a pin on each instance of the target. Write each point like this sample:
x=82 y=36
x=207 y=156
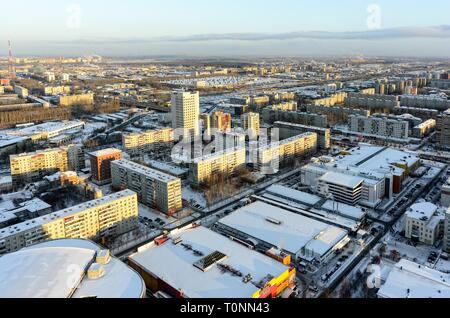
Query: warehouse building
x=265 y=226
x=196 y=262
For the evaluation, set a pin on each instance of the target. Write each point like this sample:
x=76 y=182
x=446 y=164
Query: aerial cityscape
x=225 y=152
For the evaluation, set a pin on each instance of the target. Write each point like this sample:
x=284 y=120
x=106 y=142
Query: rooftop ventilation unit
x=95 y=271
x=207 y=262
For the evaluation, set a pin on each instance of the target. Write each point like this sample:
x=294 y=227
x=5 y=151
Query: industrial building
x=154 y=188
x=383 y=171
x=144 y=142
x=196 y=262
x=108 y=216
x=264 y=226
x=67 y=268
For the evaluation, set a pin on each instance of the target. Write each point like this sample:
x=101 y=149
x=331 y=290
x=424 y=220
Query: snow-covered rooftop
x=55 y=269
x=341 y=179
x=174 y=264
x=411 y=280
x=282 y=228
x=298 y=196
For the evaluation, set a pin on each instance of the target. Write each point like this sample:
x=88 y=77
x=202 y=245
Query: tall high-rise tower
x=11 y=66
x=185 y=113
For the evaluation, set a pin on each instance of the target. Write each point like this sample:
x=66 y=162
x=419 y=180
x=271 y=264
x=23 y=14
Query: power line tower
x=11 y=66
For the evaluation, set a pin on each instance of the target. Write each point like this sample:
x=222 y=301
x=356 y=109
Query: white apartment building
x=105 y=217
x=379 y=127
x=138 y=143
x=31 y=167
x=154 y=188
x=223 y=163
x=185 y=113
x=424 y=223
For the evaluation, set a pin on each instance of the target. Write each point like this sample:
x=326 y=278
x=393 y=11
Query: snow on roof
x=28 y=225
x=422 y=210
x=149 y=172
x=42 y=272
x=298 y=196
x=105 y=152
x=411 y=280
x=344 y=209
x=174 y=264
x=366 y=158
x=260 y=220
x=56 y=261
x=341 y=179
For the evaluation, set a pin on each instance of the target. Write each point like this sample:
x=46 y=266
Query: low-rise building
x=411 y=280
x=424 y=223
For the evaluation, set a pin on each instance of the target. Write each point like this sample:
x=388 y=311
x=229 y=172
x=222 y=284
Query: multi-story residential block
x=336 y=114
x=447 y=232
x=424 y=129
x=379 y=127
x=251 y=124
x=154 y=188
x=288 y=130
x=424 y=223
x=269 y=157
x=223 y=163
x=221 y=121
x=106 y=217
x=443 y=129
x=270 y=116
x=185 y=114
x=31 y=167
x=101 y=164
x=76 y=100
x=139 y=143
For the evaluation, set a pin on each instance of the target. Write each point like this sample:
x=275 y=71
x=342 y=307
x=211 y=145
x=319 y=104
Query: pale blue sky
x=35 y=26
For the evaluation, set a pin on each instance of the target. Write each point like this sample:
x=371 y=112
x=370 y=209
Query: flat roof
x=422 y=210
x=44 y=271
x=174 y=264
x=27 y=225
x=105 y=152
x=260 y=220
x=149 y=172
x=299 y=196
x=411 y=280
x=341 y=179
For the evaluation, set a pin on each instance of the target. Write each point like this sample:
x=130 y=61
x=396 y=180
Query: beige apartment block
x=138 y=143
x=109 y=216
x=224 y=163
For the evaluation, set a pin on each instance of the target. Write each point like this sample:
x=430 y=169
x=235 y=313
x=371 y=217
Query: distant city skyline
x=228 y=28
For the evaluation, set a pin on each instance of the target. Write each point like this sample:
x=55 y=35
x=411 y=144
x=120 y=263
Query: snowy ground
x=194 y=197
